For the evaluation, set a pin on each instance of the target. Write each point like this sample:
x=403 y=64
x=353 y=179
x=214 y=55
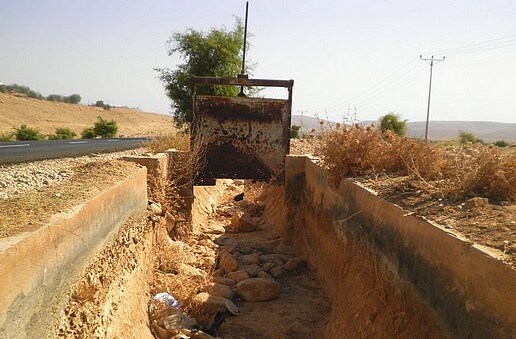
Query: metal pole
x=245 y=36
x=242 y=74
x=429 y=93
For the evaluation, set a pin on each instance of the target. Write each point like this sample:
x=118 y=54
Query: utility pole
x=431 y=61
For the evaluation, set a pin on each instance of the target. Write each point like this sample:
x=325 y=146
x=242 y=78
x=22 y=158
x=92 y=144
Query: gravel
x=34 y=176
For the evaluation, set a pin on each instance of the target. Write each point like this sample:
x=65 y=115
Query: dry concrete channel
x=299 y=260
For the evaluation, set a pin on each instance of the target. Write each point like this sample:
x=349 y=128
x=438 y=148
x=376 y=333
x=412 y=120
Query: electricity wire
x=495 y=43
x=373 y=87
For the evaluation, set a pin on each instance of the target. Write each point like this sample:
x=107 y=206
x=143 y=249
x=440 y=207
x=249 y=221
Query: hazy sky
x=357 y=53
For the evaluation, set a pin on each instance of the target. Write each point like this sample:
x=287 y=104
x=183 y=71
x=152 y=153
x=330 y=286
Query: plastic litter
x=177 y=321
x=167 y=300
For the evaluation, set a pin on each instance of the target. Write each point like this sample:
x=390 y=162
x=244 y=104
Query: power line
x=483 y=49
x=386 y=88
x=390 y=86
x=488 y=61
x=476 y=45
x=372 y=88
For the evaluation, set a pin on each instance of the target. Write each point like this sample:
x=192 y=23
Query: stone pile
x=252 y=277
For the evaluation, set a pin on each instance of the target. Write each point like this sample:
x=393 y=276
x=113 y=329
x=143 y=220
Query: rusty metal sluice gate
x=242 y=137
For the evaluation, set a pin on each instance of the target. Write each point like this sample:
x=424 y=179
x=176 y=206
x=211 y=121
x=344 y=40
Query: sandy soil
x=47 y=116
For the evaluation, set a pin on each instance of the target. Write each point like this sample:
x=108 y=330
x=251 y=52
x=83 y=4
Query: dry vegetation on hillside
x=16 y=110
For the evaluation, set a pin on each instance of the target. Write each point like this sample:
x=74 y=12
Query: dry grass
x=175 y=193
x=457 y=171
x=171 y=275
x=489 y=173
x=179 y=141
x=359 y=151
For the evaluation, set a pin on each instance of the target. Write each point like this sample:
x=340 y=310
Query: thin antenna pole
x=245 y=36
x=242 y=74
x=431 y=62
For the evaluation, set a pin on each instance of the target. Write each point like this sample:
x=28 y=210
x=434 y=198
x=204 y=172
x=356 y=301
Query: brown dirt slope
x=47 y=116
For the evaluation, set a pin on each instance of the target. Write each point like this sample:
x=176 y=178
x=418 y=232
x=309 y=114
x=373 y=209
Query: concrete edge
x=36 y=269
x=470 y=287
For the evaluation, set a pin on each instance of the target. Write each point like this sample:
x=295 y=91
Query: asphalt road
x=22 y=151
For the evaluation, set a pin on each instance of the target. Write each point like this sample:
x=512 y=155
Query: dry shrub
x=478 y=171
x=175 y=140
x=490 y=174
x=179 y=191
x=174 y=192
x=419 y=159
x=170 y=275
x=182 y=286
x=358 y=151
x=355 y=151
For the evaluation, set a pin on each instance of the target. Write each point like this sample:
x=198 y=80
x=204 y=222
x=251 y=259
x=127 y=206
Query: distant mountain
x=438 y=130
x=486 y=130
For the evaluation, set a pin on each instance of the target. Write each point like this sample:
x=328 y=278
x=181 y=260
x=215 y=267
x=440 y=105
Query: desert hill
x=438 y=130
x=488 y=131
x=16 y=110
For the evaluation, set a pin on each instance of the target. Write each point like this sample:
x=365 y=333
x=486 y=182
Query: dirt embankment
x=48 y=115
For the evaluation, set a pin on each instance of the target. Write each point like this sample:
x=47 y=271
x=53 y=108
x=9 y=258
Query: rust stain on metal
x=241 y=108
x=244 y=137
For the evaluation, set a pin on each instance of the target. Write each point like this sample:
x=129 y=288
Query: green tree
x=73 y=99
x=392 y=122
x=501 y=143
x=295 y=132
x=62 y=133
x=465 y=137
x=105 y=128
x=55 y=97
x=27 y=133
x=88 y=133
x=18 y=88
x=214 y=53
x=101 y=103
x=35 y=95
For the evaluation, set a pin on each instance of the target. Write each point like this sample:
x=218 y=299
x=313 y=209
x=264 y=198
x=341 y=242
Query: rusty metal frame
x=241 y=81
x=284 y=118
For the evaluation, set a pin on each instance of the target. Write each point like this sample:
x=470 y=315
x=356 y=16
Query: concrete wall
x=36 y=268
x=157 y=165
x=472 y=292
